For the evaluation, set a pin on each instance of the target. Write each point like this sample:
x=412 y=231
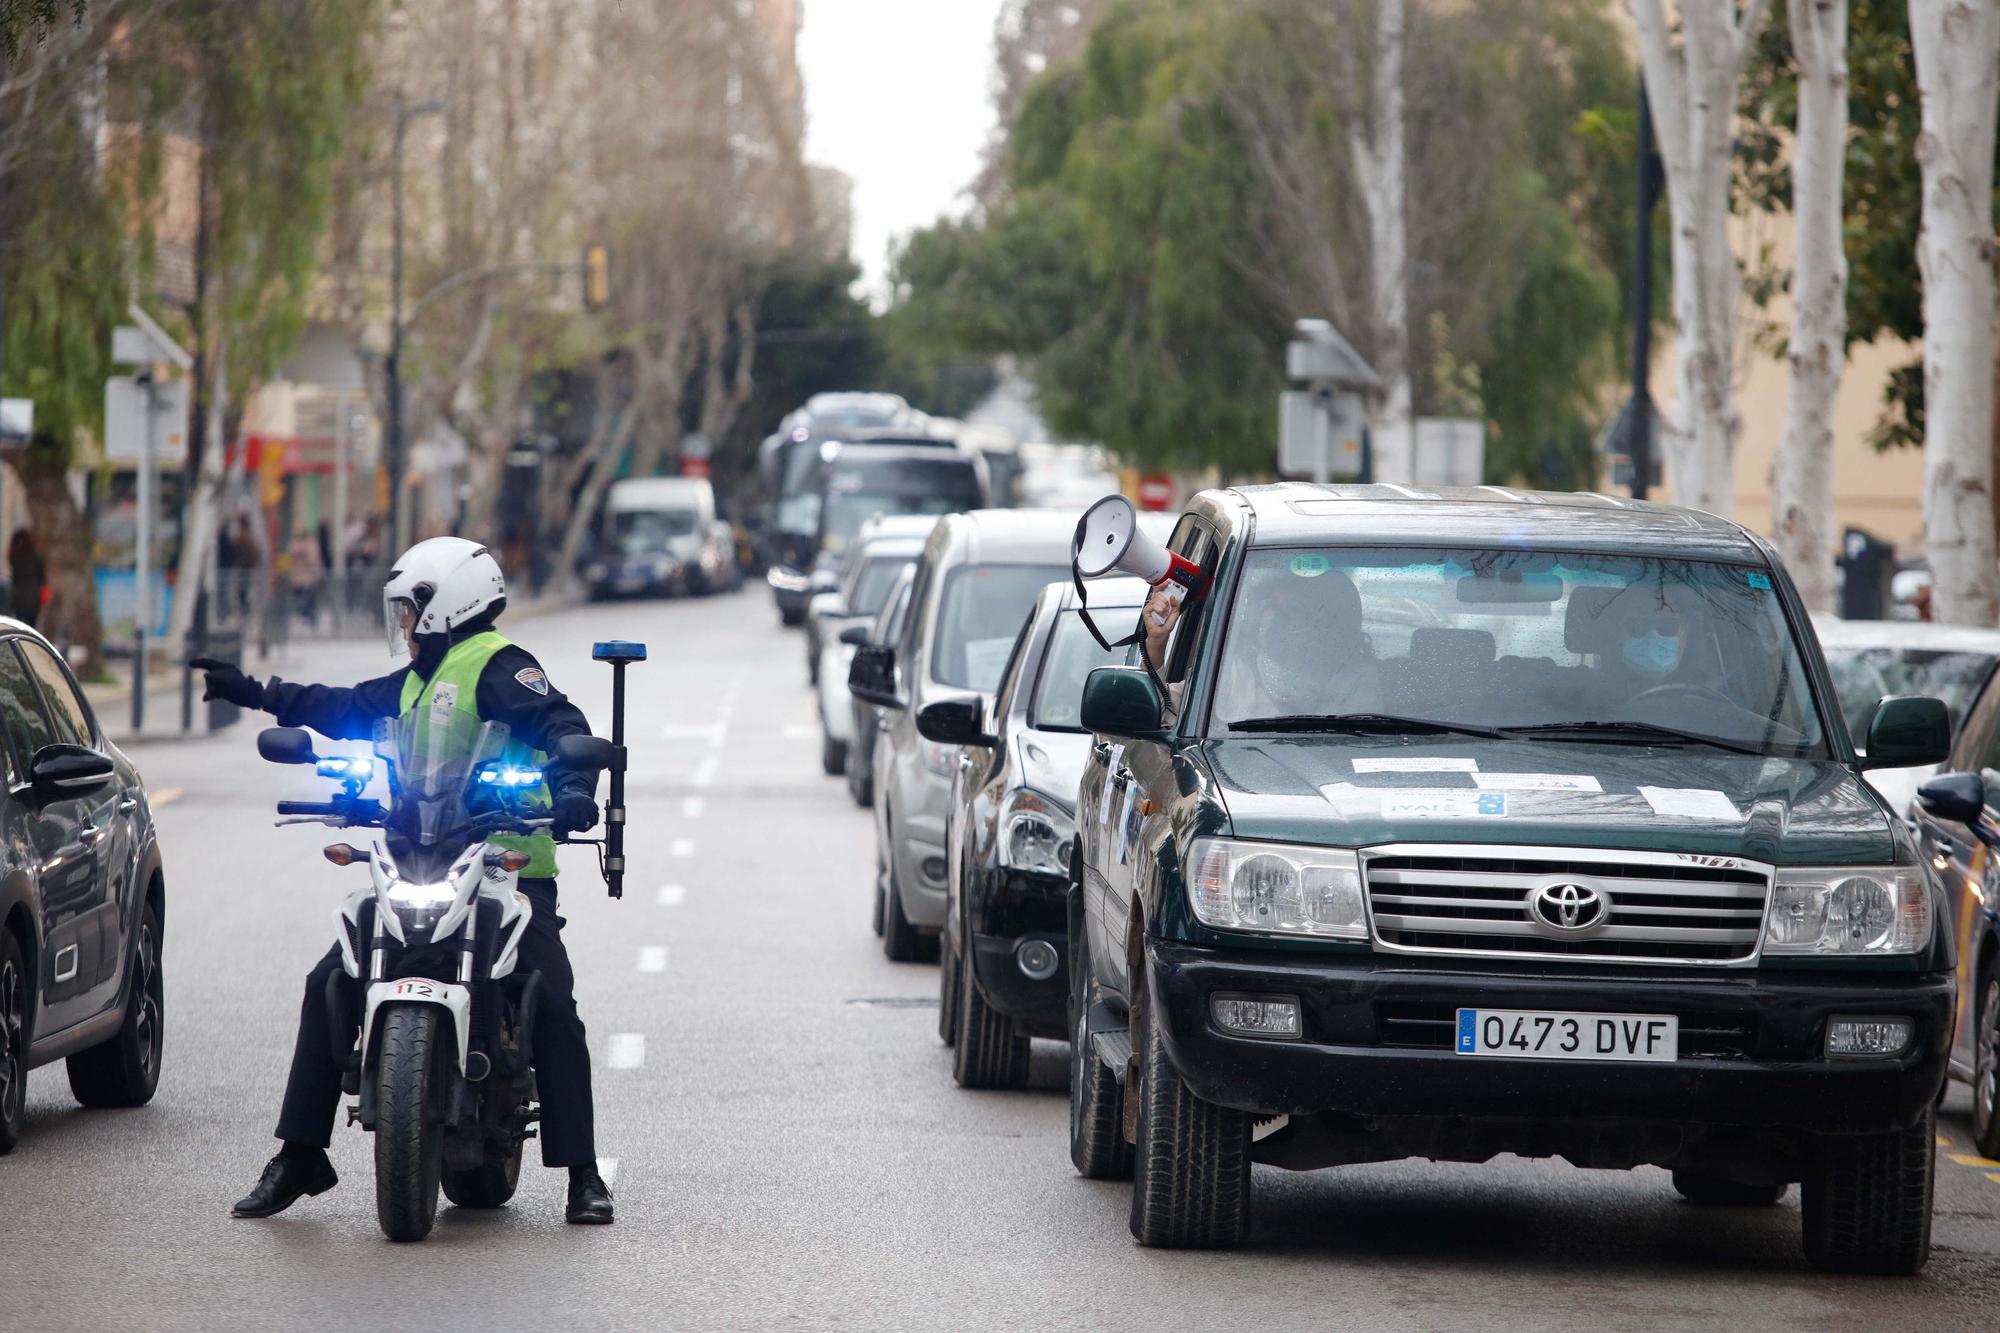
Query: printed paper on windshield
x=1416 y=764
x=1443 y=805
x=1536 y=782
x=1691 y=803
x=985 y=659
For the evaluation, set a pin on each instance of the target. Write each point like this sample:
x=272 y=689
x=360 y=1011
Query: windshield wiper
x=1637 y=733
x=1363 y=724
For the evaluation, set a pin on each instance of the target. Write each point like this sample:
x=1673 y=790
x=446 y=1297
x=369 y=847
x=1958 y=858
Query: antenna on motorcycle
x=620 y=654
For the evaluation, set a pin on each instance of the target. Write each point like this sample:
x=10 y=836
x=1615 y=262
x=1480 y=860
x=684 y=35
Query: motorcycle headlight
x=1036 y=834
x=939 y=758
x=1846 y=911
x=1277 y=889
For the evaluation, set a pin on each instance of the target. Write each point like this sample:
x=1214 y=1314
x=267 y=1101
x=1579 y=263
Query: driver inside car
x=439 y=604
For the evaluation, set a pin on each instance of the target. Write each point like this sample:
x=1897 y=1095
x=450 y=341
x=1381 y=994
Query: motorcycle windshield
x=434 y=755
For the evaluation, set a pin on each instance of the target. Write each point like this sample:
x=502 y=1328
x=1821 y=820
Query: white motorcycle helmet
x=438 y=585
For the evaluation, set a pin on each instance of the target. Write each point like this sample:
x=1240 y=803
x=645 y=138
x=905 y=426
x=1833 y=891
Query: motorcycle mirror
x=286 y=745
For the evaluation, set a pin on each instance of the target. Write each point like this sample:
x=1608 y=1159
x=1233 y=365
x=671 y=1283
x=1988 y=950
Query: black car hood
x=1362 y=792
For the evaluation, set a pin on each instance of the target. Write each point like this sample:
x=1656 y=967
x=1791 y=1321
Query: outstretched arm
x=334 y=711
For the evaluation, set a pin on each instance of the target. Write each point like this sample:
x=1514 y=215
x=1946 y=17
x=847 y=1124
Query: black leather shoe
x=589 y=1200
x=285 y=1181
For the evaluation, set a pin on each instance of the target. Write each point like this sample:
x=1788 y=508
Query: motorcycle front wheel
x=409 y=1141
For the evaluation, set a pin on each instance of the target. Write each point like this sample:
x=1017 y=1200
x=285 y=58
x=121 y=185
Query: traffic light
x=596 y=276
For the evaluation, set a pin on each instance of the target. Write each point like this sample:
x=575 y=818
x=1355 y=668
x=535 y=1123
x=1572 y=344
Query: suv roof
x=1292 y=512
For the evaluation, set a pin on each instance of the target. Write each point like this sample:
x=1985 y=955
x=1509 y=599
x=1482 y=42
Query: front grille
x=1655 y=907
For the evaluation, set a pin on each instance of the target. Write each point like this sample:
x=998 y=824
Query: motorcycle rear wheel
x=409 y=1141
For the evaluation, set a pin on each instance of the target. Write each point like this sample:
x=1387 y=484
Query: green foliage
x=814 y=336
x=1147 y=267
x=33 y=19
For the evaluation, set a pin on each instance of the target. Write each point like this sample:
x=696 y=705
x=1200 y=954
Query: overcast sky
x=897 y=96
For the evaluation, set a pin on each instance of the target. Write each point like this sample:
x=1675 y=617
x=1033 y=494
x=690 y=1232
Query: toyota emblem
x=1567 y=906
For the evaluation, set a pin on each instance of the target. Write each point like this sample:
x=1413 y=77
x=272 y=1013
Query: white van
x=658 y=535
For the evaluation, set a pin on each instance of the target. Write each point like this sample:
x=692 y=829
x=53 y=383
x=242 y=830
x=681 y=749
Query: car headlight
x=1843 y=910
x=1277 y=889
x=1035 y=834
x=939 y=758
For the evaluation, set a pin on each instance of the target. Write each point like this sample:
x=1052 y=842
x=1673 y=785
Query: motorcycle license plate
x=420 y=988
x=1528 y=1034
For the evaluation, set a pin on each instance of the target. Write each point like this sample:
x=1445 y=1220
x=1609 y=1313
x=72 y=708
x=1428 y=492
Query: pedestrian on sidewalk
x=29 y=573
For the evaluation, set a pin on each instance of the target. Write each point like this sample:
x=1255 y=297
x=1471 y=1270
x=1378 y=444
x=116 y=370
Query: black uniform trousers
x=562 y=1062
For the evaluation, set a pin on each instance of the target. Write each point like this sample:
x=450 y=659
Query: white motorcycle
x=441 y=1066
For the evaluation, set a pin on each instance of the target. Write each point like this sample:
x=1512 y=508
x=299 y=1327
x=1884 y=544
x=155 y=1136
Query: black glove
x=225 y=680
x=575 y=812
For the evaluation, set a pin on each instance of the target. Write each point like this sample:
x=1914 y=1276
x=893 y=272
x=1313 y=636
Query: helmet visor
x=399 y=618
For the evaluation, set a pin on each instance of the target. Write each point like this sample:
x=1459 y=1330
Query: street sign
x=125 y=420
x=17 y=422
x=1156 y=492
x=1319 y=434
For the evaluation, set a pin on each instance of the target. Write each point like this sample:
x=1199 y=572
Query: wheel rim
x=1986 y=1077
x=11 y=1030
x=148 y=991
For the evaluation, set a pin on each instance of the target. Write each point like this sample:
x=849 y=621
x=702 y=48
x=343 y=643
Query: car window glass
x=1193 y=540
x=979 y=617
x=1503 y=637
x=1072 y=655
x=1010 y=676
x=1967 y=754
x=1862 y=676
x=20 y=713
x=65 y=705
x=873 y=581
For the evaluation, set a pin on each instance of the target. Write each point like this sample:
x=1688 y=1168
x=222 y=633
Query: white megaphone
x=1108 y=541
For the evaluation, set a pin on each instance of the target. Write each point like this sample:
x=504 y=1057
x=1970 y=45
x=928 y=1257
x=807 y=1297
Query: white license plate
x=1527 y=1034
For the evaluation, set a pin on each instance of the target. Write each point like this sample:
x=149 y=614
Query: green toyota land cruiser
x=1451 y=824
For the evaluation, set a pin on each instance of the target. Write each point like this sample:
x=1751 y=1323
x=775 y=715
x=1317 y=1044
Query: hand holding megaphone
x=1108 y=541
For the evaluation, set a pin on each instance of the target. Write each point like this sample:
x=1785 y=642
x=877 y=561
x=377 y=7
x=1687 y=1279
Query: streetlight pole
x=1639 y=415
x=399 y=516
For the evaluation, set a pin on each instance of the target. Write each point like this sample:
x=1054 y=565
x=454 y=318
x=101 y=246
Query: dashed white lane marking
x=653 y=958
x=164 y=796
x=683 y=847
x=608 y=1168
x=715 y=733
x=801 y=731
x=673 y=895
x=704 y=772
x=691 y=808
x=627 y=1050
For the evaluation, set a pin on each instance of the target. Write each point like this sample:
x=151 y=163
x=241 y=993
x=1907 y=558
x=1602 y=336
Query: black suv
x=82 y=897
x=1479 y=822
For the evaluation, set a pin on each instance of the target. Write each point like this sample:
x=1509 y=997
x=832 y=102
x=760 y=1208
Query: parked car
x=852 y=483
x=1951 y=835
x=1874 y=659
x=878 y=551
x=1009 y=836
x=880 y=559
x=1589 y=870
x=82 y=895
x=659 y=539
x=719 y=567
x=866 y=718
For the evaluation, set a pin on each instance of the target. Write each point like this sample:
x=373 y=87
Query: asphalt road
x=788 y=1146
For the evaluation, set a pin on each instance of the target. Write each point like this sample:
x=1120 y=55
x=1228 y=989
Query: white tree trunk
x=202 y=517
x=1380 y=163
x=1692 y=84
x=1802 y=473
x=1958 y=76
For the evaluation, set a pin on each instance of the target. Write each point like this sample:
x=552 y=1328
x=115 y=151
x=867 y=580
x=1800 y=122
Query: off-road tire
x=409 y=1141
x=1866 y=1201
x=488 y=1185
x=1191 y=1164
x=1097 y=1143
x=901 y=941
x=988 y=1053
x=948 y=966
x=832 y=756
x=1714 y=1191
x=17 y=1029
x=1986 y=1064
x=125 y=1069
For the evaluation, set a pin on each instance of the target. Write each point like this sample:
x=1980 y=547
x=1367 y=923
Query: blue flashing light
x=511 y=777
x=619 y=650
x=346 y=769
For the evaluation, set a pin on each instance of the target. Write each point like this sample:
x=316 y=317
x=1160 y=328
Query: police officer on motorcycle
x=439 y=604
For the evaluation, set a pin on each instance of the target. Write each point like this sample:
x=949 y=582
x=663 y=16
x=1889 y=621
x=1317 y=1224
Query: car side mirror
x=871 y=677
x=286 y=745
x=585 y=754
x=69 y=770
x=956 y=722
x=1958 y=798
x=1123 y=701
x=1908 y=733
x=854 y=636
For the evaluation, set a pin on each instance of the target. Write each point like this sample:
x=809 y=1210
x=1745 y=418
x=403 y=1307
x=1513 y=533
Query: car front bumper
x=1376 y=1041
x=1005 y=909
